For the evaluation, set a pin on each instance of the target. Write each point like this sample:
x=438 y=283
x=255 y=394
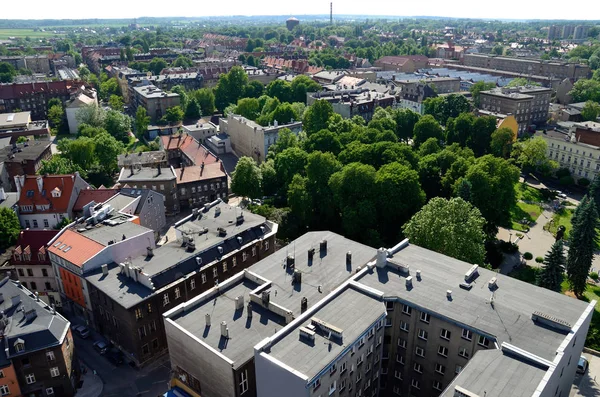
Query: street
x=587 y=385
x=124 y=380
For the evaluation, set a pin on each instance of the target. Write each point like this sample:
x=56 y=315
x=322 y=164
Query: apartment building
x=554 y=32
x=212 y=337
x=529 y=105
x=24 y=158
x=201 y=184
x=251 y=139
x=31 y=264
x=83 y=98
x=37 y=346
x=34 y=97
x=353 y=102
x=580 y=32
x=160 y=179
x=528 y=66
x=211 y=245
x=35 y=63
x=188 y=80
x=404 y=63
x=432 y=325
x=15 y=125
x=201 y=130
x=45 y=200
x=154 y=100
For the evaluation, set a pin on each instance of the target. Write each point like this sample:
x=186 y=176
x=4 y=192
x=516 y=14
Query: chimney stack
x=207 y=317
x=224 y=330
x=303 y=304
x=105 y=270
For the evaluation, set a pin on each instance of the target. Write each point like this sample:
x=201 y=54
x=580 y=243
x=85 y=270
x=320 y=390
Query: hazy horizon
x=510 y=10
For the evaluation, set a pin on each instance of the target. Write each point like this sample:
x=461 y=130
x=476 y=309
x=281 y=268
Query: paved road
x=588 y=384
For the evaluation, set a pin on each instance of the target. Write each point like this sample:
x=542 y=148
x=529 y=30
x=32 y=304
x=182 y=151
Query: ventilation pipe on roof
x=105 y=270
x=224 y=330
x=381 y=258
x=207 y=318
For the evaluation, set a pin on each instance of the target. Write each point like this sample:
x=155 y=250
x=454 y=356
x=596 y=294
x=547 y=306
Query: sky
x=507 y=9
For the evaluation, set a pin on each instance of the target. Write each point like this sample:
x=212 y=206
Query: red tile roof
x=195 y=173
x=33 y=241
x=97 y=195
x=31 y=194
x=13 y=91
x=85 y=248
x=190 y=146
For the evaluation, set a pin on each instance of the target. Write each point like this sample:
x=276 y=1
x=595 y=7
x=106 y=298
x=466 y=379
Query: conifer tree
x=582 y=244
x=553 y=270
x=594 y=191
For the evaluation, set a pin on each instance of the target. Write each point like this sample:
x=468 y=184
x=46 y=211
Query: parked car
x=100 y=346
x=582 y=365
x=115 y=356
x=82 y=331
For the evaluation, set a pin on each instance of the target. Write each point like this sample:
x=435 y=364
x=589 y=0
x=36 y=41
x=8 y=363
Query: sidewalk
x=92 y=384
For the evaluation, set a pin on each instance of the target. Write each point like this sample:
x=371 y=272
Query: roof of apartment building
x=172 y=260
x=402 y=59
x=198 y=173
x=151 y=91
x=142 y=158
x=87 y=196
x=30 y=242
x=506 y=93
x=508 y=317
x=24 y=90
x=26 y=151
x=37 y=326
x=327 y=270
x=352 y=311
x=55 y=190
x=75 y=247
x=192 y=148
x=145 y=174
x=8 y=120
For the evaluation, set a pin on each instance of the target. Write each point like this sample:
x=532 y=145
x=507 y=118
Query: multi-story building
x=24 y=158
x=160 y=179
x=45 y=200
x=201 y=130
x=554 y=32
x=123 y=74
x=580 y=32
x=188 y=80
x=411 y=322
x=152 y=158
x=403 y=63
x=578 y=150
x=529 y=105
x=527 y=66
x=83 y=98
x=35 y=63
x=251 y=139
x=154 y=100
x=19 y=124
x=109 y=234
x=353 y=102
x=268 y=296
x=211 y=245
x=37 y=341
x=34 y=97
x=32 y=265
x=567 y=31
x=201 y=184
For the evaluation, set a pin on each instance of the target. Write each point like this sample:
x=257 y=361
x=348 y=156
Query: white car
x=562 y=195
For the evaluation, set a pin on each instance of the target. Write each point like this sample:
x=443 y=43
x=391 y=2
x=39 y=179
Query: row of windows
x=35 y=224
x=343 y=383
x=571 y=149
x=33 y=285
x=30 y=272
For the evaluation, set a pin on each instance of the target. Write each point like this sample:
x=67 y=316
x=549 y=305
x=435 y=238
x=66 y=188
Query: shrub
x=594 y=276
x=583 y=182
x=539 y=259
x=508 y=247
x=528 y=256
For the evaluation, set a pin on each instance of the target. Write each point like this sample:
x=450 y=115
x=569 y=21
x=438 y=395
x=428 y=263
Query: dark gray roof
x=103 y=234
x=496 y=373
x=44 y=330
x=145 y=174
x=353 y=311
x=143 y=158
x=328 y=270
x=31 y=150
x=508 y=319
x=12 y=198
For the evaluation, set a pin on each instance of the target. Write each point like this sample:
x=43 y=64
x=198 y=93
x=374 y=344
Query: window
x=165 y=299
x=33 y=285
x=19 y=347
x=138 y=313
x=266 y=245
x=445 y=334
x=379 y=341
x=400 y=359
x=404 y=326
x=177 y=293
x=398 y=374
x=343 y=368
x=463 y=352
x=149 y=308
x=443 y=351
x=244 y=256
x=370 y=350
x=155 y=344
x=360 y=360
x=4 y=390
x=44 y=272
x=361 y=342
x=192 y=284
x=425 y=317
x=253 y=251
x=388 y=322
x=35 y=224
x=483 y=341
x=46 y=224
x=1 y=374
x=402 y=342
x=233 y=261
x=50 y=356
x=342 y=384
x=224 y=266
x=21 y=273
x=467 y=334
x=419 y=351
x=203 y=275
x=437 y=385
x=418 y=368
x=332 y=387
x=316 y=384
x=440 y=369
x=423 y=334
x=30 y=272
x=30 y=379
x=415 y=383
x=244 y=381
x=145 y=350
x=332 y=369
x=406 y=310
x=54 y=372
x=458 y=369
x=215 y=272
x=27 y=224
x=162 y=187
x=389 y=306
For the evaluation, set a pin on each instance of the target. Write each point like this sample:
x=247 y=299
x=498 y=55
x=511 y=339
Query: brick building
x=25 y=158
x=34 y=97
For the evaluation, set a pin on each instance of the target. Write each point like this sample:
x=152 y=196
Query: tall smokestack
x=331 y=13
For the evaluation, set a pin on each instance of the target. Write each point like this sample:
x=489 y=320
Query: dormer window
x=56 y=192
x=19 y=345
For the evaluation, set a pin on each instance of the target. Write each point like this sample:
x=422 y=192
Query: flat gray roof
x=151 y=91
x=496 y=373
x=17 y=119
x=508 y=318
x=102 y=233
x=352 y=311
x=145 y=174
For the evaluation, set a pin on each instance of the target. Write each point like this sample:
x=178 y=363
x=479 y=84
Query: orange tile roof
x=82 y=248
x=31 y=194
x=190 y=146
x=192 y=174
x=97 y=195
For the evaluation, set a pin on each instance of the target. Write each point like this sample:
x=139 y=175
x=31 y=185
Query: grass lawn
x=521 y=211
x=561 y=218
x=527 y=193
x=526 y=273
x=22 y=33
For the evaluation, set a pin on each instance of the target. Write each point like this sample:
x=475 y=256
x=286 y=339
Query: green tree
x=64 y=222
x=183 y=62
x=323 y=141
x=157 y=65
x=108 y=88
x=7 y=72
x=316 y=116
x=283 y=114
x=58 y=165
x=115 y=102
x=460 y=129
x=288 y=163
x=483 y=127
x=299 y=199
x=56 y=115
x=206 y=100
x=463 y=190
x=91 y=115
x=405 y=123
x=502 y=141
x=254 y=89
x=80 y=151
x=590 y=111
x=107 y=148
x=477 y=88
x=531 y=156
x=594 y=192
x=285 y=139
x=9 y=227
x=246 y=179
x=192 y=110
x=522 y=81
x=118 y=125
x=269 y=183
x=301 y=85
x=53 y=102
x=582 y=243
x=451 y=227
x=553 y=269
x=427 y=127
x=586 y=90
x=248 y=107
x=319 y=168
x=142 y=121
x=174 y=114
x=442 y=108
x=280 y=89
x=230 y=87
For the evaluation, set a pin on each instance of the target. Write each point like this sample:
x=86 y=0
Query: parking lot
x=588 y=384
